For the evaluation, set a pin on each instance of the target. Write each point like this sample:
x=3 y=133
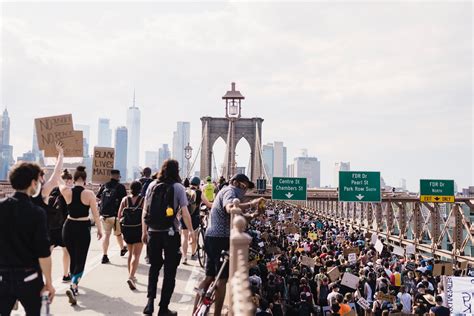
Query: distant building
x=267 y=153
x=309 y=168
x=151 y=160
x=275 y=160
x=6 y=150
x=403 y=184
x=27 y=157
x=181 y=139
x=290 y=170
x=468 y=191
x=121 y=142
x=133 y=126
x=86 y=133
x=340 y=166
x=35 y=149
x=105 y=133
x=240 y=170
x=163 y=154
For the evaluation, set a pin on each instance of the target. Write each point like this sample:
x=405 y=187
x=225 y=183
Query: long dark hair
x=169 y=172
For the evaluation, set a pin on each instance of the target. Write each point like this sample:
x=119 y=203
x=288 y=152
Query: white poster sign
x=363 y=303
x=374 y=238
x=378 y=246
x=398 y=251
x=410 y=249
x=350 y=280
x=352 y=257
x=270 y=212
x=459 y=295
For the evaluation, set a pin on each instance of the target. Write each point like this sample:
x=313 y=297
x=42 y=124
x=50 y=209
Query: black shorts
x=194 y=220
x=214 y=247
x=56 y=238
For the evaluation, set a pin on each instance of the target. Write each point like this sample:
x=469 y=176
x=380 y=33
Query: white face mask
x=38 y=189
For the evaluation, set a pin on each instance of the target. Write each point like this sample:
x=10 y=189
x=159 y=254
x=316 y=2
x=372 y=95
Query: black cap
x=114 y=171
x=243 y=178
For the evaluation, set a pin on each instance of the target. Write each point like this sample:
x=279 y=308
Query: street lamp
x=188 y=153
x=232 y=103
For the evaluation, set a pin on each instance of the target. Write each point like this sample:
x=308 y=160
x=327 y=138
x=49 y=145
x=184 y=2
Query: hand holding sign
x=50 y=130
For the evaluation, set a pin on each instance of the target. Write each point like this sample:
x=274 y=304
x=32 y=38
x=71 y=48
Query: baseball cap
x=243 y=178
x=115 y=171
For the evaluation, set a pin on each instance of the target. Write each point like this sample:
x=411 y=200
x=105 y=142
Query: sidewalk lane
x=104 y=290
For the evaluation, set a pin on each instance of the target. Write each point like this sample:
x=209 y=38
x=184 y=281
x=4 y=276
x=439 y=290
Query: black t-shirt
x=120 y=193
x=440 y=311
x=23 y=233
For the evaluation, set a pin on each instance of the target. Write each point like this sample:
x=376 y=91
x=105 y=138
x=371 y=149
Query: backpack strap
x=129 y=201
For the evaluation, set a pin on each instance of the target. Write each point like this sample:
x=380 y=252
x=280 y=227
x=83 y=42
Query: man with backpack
x=160 y=231
x=110 y=196
x=145 y=180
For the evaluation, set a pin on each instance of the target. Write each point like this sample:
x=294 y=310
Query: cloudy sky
x=384 y=85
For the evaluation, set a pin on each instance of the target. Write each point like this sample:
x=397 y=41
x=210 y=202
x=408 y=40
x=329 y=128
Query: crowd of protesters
x=298 y=262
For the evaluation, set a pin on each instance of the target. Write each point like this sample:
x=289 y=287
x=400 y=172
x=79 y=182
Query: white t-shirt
x=405 y=299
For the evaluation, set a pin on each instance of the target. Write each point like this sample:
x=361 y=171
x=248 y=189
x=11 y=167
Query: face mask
x=38 y=189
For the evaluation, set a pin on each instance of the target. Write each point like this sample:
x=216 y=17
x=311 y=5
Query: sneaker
x=67 y=278
x=167 y=312
x=71 y=294
x=123 y=251
x=131 y=284
x=149 y=309
x=105 y=259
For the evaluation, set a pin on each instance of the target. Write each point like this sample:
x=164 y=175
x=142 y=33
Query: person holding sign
x=76 y=230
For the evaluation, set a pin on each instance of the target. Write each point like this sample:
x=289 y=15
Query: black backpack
x=161 y=213
x=56 y=210
x=132 y=214
x=109 y=202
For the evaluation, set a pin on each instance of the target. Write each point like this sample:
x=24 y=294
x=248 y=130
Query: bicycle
x=201 y=252
x=208 y=298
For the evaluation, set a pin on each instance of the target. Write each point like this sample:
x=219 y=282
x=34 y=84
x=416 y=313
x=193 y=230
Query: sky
x=385 y=85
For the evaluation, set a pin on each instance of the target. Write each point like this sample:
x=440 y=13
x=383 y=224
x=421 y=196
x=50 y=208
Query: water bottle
x=45 y=304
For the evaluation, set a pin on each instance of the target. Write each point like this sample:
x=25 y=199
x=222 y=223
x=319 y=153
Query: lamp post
x=233 y=100
x=188 y=153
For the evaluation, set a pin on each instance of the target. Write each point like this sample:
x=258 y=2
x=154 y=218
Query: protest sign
x=410 y=249
x=350 y=280
x=52 y=129
x=312 y=236
x=297 y=237
x=399 y=251
x=386 y=297
x=334 y=274
x=347 y=251
x=273 y=250
x=443 y=269
x=307 y=261
x=459 y=295
x=102 y=164
x=340 y=239
x=378 y=246
x=265 y=236
x=363 y=303
x=270 y=212
x=373 y=238
x=261 y=244
x=352 y=258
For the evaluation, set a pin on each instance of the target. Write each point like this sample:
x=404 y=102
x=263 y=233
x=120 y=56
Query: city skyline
x=386 y=96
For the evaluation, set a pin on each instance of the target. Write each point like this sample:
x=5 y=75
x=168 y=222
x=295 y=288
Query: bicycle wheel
x=200 y=248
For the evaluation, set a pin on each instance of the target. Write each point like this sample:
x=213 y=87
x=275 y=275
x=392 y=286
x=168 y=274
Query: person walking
x=130 y=218
x=76 y=230
x=26 y=254
x=209 y=189
x=160 y=231
x=110 y=196
x=217 y=235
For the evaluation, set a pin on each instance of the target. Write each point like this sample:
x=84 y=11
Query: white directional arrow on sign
x=359 y=197
x=289 y=195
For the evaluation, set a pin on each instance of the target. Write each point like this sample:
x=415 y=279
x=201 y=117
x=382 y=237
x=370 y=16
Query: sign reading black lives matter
x=102 y=164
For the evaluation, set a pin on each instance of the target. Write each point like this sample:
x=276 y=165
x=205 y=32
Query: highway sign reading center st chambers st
x=293 y=189
x=359 y=186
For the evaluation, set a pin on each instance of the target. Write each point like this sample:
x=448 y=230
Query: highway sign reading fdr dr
x=359 y=186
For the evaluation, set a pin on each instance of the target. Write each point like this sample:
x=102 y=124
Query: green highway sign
x=359 y=186
x=437 y=191
x=293 y=189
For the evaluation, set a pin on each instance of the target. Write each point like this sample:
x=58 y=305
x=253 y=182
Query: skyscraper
x=105 y=133
x=267 y=153
x=6 y=150
x=133 y=147
x=35 y=149
x=180 y=140
x=163 y=154
x=86 y=131
x=340 y=166
x=279 y=159
x=151 y=160
x=309 y=168
x=121 y=140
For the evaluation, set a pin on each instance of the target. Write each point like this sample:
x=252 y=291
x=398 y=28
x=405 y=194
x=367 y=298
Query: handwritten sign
x=399 y=251
x=378 y=246
x=102 y=164
x=443 y=269
x=350 y=280
x=334 y=274
x=363 y=303
x=307 y=261
x=460 y=298
x=52 y=129
x=348 y=251
x=352 y=257
x=410 y=249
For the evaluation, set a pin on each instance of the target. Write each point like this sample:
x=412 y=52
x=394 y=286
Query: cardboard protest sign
x=307 y=261
x=378 y=246
x=386 y=297
x=334 y=274
x=102 y=164
x=443 y=269
x=410 y=249
x=350 y=280
x=291 y=229
x=273 y=250
x=347 y=251
x=399 y=251
x=52 y=129
x=363 y=303
x=265 y=236
x=352 y=258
